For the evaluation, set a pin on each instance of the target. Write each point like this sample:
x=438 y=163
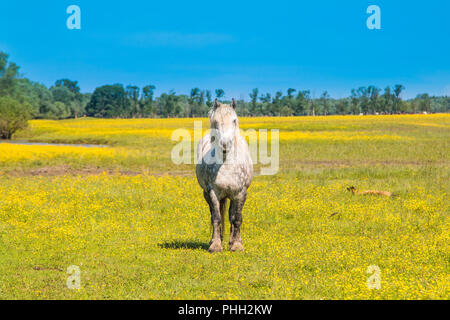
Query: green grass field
x=138 y=227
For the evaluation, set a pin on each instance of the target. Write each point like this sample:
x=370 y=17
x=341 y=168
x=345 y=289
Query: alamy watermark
x=74 y=20
x=74 y=279
x=374 y=20
x=374 y=281
x=257 y=140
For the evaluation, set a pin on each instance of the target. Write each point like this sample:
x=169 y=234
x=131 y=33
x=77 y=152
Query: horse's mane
x=223 y=108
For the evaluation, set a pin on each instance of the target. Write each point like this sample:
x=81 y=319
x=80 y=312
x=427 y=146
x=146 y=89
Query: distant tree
x=397 y=103
x=59 y=110
x=62 y=94
x=314 y=105
x=194 y=102
x=363 y=99
x=68 y=92
x=86 y=97
x=374 y=94
x=220 y=93
x=242 y=108
x=69 y=84
x=290 y=92
x=109 y=101
x=286 y=111
x=147 y=99
x=74 y=104
x=301 y=103
x=325 y=103
x=169 y=104
x=254 y=102
x=342 y=106
x=133 y=96
x=8 y=75
x=415 y=105
x=36 y=94
x=289 y=100
x=276 y=103
x=148 y=92
x=182 y=108
x=387 y=100
x=15 y=110
x=354 y=102
x=265 y=98
x=209 y=102
x=266 y=104
x=201 y=98
x=424 y=102
x=440 y=104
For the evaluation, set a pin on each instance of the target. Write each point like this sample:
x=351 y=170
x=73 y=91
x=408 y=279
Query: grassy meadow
x=138 y=227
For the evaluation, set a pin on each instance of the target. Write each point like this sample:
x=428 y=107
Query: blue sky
x=235 y=45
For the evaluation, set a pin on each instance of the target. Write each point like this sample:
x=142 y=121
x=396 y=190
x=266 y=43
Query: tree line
x=22 y=99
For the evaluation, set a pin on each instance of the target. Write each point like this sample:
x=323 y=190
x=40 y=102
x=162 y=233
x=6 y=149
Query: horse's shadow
x=184 y=244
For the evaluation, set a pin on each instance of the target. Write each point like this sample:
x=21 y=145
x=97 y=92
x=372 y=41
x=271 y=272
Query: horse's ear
x=216 y=104
x=233 y=103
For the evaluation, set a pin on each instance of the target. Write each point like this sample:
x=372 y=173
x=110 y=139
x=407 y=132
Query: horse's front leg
x=235 y=213
x=223 y=206
x=214 y=206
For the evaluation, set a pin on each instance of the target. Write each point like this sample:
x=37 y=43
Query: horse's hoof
x=237 y=246
x=215 y=247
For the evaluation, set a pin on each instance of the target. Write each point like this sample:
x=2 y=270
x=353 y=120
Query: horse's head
x=224 y=125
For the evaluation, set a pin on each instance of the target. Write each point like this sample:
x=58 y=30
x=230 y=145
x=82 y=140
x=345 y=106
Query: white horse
x=224 y=171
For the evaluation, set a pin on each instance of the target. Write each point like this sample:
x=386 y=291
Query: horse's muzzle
x=225 y=144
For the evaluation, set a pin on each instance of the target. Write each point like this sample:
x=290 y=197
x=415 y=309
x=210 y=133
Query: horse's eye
x=213 y=139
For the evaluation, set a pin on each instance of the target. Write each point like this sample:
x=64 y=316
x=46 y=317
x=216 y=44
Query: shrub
x=13 y=116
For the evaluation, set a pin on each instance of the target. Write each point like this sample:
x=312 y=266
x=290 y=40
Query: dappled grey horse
x=224 y=171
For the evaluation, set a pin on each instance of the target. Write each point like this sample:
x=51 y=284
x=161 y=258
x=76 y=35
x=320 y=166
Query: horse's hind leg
x=236 y=206
x=214 y=207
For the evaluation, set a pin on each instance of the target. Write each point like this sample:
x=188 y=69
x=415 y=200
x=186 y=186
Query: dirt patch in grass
x=357 y=163
x=67 y=170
